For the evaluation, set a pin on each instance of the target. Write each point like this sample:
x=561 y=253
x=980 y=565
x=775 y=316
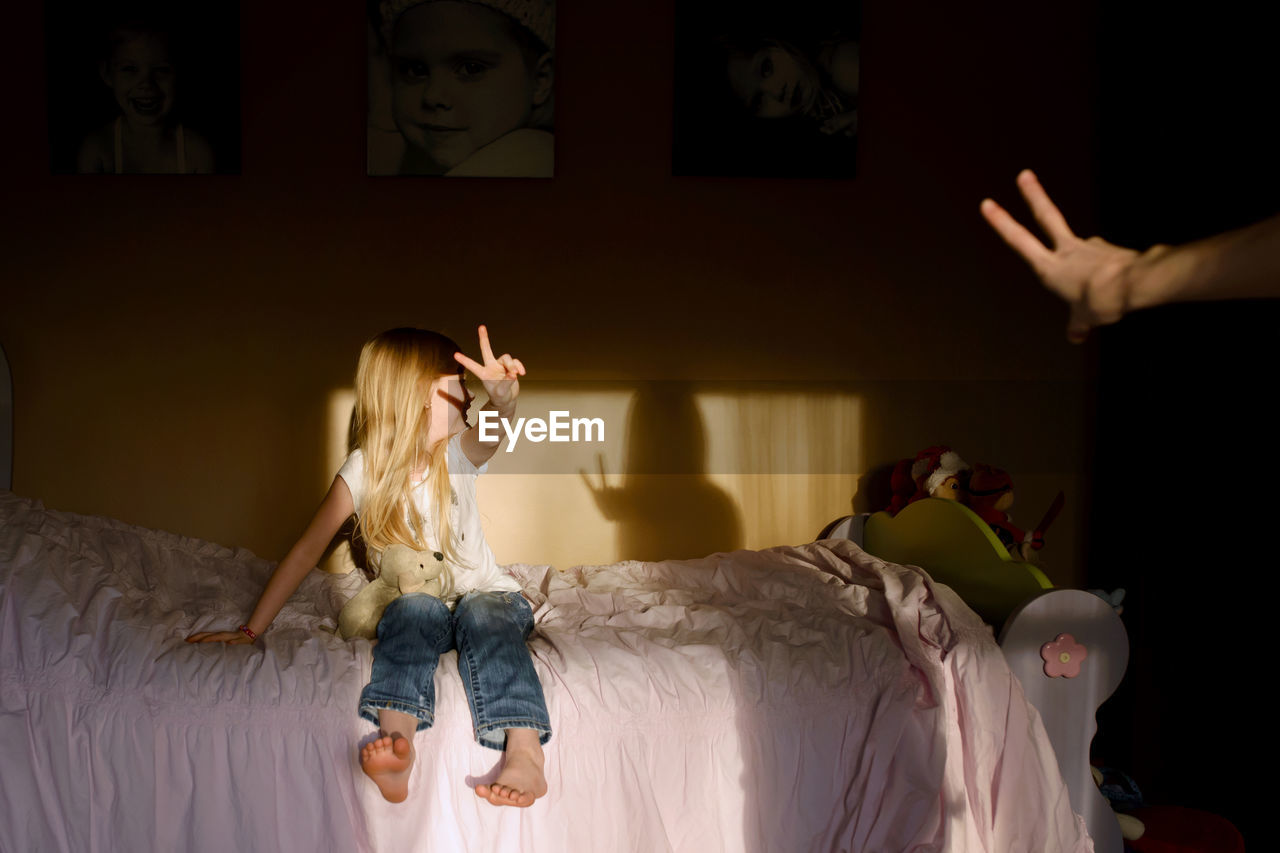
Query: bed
x=810 y=697
x=1037 y=625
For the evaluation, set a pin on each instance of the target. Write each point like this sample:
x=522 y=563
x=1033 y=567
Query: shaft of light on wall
x=664 y=470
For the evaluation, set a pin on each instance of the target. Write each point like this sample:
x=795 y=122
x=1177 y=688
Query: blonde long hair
x=393 y=381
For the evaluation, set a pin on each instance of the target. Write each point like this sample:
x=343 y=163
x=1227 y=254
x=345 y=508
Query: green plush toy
x=404 y=570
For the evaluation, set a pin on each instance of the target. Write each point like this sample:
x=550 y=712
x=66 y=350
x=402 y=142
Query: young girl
x=411 y=480
x=141 y=72
x=470 y=88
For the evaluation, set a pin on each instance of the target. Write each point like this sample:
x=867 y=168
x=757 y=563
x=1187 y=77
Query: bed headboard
x=956 y=547
x=6 y=423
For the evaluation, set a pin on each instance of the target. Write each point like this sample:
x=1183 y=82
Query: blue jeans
x=489 y=630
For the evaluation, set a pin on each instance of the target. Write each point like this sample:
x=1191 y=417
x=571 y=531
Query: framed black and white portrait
x=767 y=89
x=143 y=88
x=462 y=89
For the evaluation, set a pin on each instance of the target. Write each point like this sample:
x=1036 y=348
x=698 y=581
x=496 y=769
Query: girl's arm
x=478 y=450
x=500 y=377
x=334 y=510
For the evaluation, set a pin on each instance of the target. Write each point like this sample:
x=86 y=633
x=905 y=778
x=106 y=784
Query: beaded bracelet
x=249 y=631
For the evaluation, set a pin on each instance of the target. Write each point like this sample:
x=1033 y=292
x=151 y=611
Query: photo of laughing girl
x=146 y=136
x=143 y=87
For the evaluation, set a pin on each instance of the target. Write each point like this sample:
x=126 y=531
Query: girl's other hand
x=500 y=376
x=231 y=638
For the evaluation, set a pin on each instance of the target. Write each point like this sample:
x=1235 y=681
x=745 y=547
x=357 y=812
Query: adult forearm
x=1240 y=264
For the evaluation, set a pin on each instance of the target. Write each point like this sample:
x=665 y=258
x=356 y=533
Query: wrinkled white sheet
x=807 y=698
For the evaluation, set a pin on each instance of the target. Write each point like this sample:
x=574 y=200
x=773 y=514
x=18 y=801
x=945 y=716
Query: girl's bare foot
x=387 y=761
x=521 y=780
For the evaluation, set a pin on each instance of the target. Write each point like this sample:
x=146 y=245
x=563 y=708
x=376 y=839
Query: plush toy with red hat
x=939 y=472
x=936 y=471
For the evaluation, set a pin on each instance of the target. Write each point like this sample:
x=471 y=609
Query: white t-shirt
x=482 y=573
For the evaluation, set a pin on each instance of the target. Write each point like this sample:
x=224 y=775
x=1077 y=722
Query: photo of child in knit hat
x=143 y=87
x=461 y=88
x=767 y=89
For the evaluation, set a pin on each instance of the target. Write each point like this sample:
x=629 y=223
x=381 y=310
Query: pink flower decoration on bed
x=1063 y=656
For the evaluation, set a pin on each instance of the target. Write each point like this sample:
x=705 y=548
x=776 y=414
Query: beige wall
x=177 y=343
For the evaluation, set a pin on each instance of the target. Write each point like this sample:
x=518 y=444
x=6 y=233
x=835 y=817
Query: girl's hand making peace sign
x=500 y=376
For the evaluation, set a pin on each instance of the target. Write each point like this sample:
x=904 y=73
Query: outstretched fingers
x=1091 y=275
x=470 y=364
x=1018 y=237
x=500 y=368
x=486 y=352
x=1044 y=210
x=493 y=367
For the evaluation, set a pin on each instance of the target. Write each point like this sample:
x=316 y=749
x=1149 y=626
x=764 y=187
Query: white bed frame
x=1067 y=706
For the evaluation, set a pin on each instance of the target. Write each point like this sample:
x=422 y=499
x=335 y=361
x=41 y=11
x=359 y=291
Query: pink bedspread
x=799 y=698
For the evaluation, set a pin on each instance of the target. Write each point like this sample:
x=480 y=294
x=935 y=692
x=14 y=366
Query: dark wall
x=1184 y=503
x=174 y=339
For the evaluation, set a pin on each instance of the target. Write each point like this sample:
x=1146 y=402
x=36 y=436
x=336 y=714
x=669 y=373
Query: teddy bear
x=403 y=570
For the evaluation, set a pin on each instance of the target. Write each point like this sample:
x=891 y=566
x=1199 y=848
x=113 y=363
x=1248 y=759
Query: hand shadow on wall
x=667 y=508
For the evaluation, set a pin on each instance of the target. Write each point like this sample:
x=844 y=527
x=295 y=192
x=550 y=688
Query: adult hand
x=498 y=375
x=1092 y=275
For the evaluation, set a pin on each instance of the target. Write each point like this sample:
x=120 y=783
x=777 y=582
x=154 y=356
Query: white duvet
x=793 y=699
